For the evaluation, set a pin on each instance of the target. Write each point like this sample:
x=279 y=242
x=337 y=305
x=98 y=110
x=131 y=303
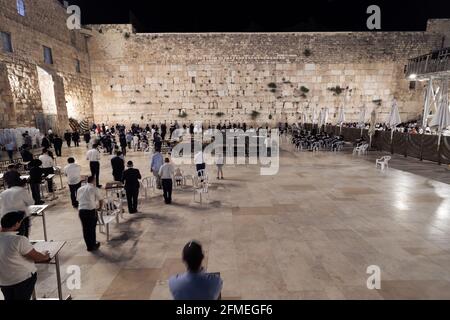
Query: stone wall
x=155 y=76
x=44 y=24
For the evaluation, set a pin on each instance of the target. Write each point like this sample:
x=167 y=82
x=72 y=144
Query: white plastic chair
x=202 y=190
x=110 y=212
x=362 y=149
x=148 y=183
x=383 y=162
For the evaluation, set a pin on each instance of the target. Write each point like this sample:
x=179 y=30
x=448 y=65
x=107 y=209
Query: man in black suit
x=57 y=142
x=163 y=131
x=118 y=166
x=131 y=178
x=68 y=138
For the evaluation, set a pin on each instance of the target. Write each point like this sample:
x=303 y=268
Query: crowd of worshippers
x=313 y=140
x=410 y=127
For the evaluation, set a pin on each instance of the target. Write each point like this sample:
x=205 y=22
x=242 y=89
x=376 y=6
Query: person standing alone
x=73 y=174
x=166 y=173
x=93 y=156
x=131 y=178
x=88 y=196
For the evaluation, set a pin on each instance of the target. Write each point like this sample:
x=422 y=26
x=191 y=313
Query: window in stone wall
x=6 y=42
x=78 y=66
x=48 y=57
x=21 y=7
x=412 y=85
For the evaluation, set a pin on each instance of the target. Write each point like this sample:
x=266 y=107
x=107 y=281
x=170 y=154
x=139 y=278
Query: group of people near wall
x=17 y=267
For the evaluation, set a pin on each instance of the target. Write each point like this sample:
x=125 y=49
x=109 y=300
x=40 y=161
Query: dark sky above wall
x=261 y=16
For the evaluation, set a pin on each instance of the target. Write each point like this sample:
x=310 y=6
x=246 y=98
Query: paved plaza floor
x=309 y=232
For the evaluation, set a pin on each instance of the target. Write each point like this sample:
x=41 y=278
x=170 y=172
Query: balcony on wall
x=435 y=64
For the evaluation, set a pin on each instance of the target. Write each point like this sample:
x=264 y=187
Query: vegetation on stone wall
x=307 y=52
x=377 y=102
x=255 y=114
x=183 y=114
x=220 y=114
x=337 y=90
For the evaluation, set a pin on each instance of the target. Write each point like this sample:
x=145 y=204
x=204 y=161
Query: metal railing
x=437 y=61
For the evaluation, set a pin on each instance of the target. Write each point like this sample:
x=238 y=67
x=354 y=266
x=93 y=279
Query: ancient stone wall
x=152 y=77
x=44 y=24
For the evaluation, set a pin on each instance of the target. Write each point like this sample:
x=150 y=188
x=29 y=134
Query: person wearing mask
x=118 y=166
x=68 y=138
x=157 y=162
x=131 y=178
x=88 y=196
x=166 y=173
x=47 y=167
x=57 y=143
x=14 y=199
x=195 y=283
x=73 y=174
x=36 y=180
x=17 y=266
x=93 y=156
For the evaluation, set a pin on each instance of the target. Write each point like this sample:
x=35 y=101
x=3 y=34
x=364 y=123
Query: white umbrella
x=394 y=118
x=441 y=119
x=341 y=118
x=428 y=98
x=362 y=118
x=373 y=122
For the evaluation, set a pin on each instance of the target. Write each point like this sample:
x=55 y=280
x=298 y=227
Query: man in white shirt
x=73 y=174
x=166 y=173
x=17 y=264
x=47 y=166
x=88 y=196
x=17 y=199
x=199 y=160
x=93 y=156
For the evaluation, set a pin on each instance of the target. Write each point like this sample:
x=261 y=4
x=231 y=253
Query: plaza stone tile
x=309 y=232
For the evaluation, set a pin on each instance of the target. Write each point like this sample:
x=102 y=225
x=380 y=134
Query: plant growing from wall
x=254 y=115
x=127 y=35
x=377 y=102
x=270 y=117
x=337 y=90
x=272 y=85
x=220 y=114
x=307 y=52
x=183 y=114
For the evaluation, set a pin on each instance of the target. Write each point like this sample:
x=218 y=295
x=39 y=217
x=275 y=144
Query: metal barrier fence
x=420 y=146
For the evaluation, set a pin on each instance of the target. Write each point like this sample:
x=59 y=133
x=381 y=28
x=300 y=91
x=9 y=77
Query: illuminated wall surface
x=127 y=77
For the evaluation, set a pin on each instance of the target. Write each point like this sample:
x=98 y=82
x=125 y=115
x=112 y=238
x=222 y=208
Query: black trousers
x=124 y=150
x=77 y=143
x=167 y=186
x=73 y=193
x=36 y=192
x=118 y=176
x=58 y=151
x=200 y=167
x=10 y=154
x=21 y=291
x=69 y=142
x=132 y=199
x=46 y=172
x=95 y=171
x=24 y=229
x=89 y=223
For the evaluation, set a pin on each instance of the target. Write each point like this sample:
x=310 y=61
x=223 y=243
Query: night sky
x=261 y=16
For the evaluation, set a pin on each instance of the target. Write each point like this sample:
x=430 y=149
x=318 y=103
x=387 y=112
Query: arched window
x=21 y=7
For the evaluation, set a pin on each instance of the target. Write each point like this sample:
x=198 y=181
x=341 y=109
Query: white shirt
x=14 y=267
x=87 y=197
x=198 y=158
x=73 y=173
x=93 y=155
x=47 y=161
x=15 y=199
x=166 y=171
